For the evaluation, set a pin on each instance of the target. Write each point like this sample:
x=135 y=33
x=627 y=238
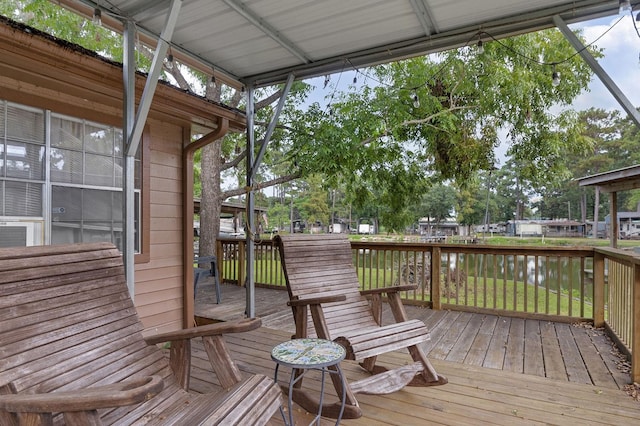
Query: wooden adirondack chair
x=327 y=303
x=72 y=351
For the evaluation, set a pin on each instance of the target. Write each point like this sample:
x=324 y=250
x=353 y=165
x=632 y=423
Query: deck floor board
x=501 y=370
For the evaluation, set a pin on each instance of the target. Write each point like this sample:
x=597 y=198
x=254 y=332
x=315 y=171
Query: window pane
x=3 y=110
x=99 y=170
x=25 y=124
x=98 y=140
x=25 y=160
x=117 y=136
x=66 y=166
x=66 y=204
x=23 y=199
x=98 y=206
x=2 y=171
x=66 y=133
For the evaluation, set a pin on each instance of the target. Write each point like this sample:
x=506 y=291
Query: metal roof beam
x=152 y=78
x=425 y=17
x=261 y=24
x=624 y=102
x=272 y=126
x=499 y=28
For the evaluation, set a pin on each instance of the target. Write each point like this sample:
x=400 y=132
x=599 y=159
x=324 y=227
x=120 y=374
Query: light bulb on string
x=480 y=47
x=97 y=16
x=355 y=78
x=416 y=100
x=169 y=61
x=212 y=82
x=555 y=77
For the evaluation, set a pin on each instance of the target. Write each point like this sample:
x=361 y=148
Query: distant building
x=448 y=228
x=628 y=225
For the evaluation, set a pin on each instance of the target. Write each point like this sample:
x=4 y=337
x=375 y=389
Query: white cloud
x=621 y=62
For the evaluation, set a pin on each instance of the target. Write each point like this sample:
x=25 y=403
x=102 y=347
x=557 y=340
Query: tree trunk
x=211 y=203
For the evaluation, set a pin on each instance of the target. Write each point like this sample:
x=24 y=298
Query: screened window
x=22 y=150
x=86 y=173
x=84 y=184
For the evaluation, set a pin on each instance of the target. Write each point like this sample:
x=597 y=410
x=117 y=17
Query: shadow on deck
x=501 y=370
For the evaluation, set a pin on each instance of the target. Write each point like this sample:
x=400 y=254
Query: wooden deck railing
x=559 y=283
x=619 y=272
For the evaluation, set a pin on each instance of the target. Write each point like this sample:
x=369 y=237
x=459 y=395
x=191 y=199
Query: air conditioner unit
x=21 y=233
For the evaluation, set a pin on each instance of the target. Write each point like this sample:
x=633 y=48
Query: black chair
x=199 y=272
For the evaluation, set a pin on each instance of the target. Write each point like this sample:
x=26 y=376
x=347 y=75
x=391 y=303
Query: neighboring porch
x=501 y=370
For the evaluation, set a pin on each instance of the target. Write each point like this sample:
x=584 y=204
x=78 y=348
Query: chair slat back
x=67 y=321
x=322 y=265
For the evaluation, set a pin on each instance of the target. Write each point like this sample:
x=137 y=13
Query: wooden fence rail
x=566 y=284
x=620 y=275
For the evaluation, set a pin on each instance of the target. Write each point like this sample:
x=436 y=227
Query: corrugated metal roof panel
x=262 y=40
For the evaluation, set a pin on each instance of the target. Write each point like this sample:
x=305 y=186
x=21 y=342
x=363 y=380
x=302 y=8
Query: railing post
x=598 y=289
x=436 y=302
x=220 y=260
x=241 y=262
x=635 y=315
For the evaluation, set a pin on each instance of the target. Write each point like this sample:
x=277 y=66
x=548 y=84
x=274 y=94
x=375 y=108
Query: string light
x=355 y=78
x=169 y=61
x=480 y=47
x=97 y=16
x=555 y=77
x=416 y=100
x=212 y=81
x=327 y=79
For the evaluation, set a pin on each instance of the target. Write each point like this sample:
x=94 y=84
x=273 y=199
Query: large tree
x=410 y=124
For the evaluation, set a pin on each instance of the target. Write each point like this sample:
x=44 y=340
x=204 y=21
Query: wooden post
x=436 y=302
x=220 y=259
x=598 y=289
x=635 y=316
x=613 y=214
x=241 y=262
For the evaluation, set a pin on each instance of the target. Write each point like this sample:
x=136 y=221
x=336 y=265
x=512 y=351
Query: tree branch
x=268 y=100
x=257 y=187
x=233 y=163
x=432 y=116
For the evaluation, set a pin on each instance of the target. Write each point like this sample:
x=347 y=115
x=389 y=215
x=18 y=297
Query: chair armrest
x=317 y=300
x=240 y=326
x=392 y=289
x=129 y=392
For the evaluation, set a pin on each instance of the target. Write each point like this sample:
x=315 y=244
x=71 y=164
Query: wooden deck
x=501 y=370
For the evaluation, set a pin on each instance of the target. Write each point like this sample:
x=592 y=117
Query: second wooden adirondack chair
x=327 y=303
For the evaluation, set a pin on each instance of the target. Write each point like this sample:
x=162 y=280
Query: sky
x=621 y=61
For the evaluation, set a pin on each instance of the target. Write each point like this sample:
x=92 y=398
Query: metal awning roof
x=261 y=41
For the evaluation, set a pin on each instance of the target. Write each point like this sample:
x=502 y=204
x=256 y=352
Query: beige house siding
x=37 y=71
x=158 y=287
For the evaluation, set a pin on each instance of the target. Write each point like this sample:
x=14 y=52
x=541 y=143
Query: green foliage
x=438 y=203
x=55 y=20
x=383 y=146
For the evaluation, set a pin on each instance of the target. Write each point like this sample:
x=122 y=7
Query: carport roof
x=624 y=179
x=261 y=41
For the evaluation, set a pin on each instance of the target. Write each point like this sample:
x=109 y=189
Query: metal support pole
x=250 y=279
x=253 y=163
x=128 y=202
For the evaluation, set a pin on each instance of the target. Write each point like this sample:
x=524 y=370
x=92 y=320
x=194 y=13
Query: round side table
x=309 y=354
